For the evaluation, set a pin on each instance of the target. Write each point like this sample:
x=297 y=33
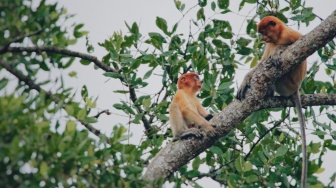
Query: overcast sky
x=103 y=17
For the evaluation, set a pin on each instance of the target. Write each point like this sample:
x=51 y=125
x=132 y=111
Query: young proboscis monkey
x=186 y=112
x=274 y=32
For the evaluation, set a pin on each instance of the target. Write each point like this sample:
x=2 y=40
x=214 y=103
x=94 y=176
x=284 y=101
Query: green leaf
x=146 y=102
x=319 y=133
x=72 y=74
x=281 y=151
x=84 y=92
x=200 y=14
x=70 y=126
x=238 y=164
x=216 y=150
x=89 y=120
x=223 y=4
x=281 y=137
x=202 y=3
x=196 y=163
x=247 y=166
x=148 y=74
x=81 y=114
x=319 y=171
x=162 y=24
x=251 y=1
x=3 y=83
x=112 y=75
x=252 y=178
x=192 y=173
x=44 y=169
x=226 y=35
x=84 y=62
x=70 y=110
x=224 y=85
x=315 y=147
x=254 y=61
x=213 y=6
x=163 y=117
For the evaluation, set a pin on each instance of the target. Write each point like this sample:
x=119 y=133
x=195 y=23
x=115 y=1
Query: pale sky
x=103 y=17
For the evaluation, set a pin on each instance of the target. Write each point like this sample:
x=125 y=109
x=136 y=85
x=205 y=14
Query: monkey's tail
x=298 y=106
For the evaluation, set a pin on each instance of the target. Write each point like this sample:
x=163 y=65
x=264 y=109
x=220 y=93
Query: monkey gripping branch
x=176 y=154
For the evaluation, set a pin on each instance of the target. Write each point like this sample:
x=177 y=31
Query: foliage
x=41 y=143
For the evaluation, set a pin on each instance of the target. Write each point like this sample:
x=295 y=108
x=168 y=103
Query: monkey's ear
x=272 y=23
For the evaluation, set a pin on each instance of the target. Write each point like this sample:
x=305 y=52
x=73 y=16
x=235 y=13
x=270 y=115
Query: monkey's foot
x=210 y=130
x=192 y=132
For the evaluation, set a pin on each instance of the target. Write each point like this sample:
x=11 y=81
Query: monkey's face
x=269 y=34
x=270 y=28
x=190 y=81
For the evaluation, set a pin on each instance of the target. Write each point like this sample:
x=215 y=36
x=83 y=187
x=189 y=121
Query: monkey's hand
x=208 y=117
x=192 y=132
x=276 y=60
x=277 y=56
x=244 y=86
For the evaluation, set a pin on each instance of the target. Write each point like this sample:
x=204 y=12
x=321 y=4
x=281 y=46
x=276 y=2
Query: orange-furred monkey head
x=271 y=28
x=189 y=81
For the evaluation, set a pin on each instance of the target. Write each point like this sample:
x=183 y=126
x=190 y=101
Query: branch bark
x=177 y=154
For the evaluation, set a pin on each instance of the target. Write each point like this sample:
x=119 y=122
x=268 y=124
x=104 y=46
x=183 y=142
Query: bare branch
x=107 y=112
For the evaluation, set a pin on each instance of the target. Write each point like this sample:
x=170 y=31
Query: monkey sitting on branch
x=274 y=32
x=186 y=112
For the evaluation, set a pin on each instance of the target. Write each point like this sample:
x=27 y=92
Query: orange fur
x=186 y=110
x=275 y=32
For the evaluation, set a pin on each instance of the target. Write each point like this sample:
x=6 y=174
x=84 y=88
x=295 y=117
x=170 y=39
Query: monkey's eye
x=272 y=23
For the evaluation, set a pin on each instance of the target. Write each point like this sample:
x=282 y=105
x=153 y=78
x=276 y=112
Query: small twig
x=107 y=112
x=262 y=136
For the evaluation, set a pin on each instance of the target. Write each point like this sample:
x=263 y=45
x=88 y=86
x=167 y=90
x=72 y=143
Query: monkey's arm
x=245 y=85
x=203 y=112
x=193 y=116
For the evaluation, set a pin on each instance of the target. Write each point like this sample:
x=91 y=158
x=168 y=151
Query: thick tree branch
x=49 y=95
x=177 y=154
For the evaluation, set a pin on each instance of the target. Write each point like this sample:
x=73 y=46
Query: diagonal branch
x=18 y=39
x=94 y=59
x=49 y=95
x=176 y=154
x=56 y=50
